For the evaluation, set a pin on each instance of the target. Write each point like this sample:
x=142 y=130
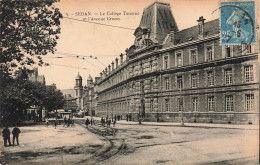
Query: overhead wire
x=121 y=27
x=114 y=26
x=67 y=66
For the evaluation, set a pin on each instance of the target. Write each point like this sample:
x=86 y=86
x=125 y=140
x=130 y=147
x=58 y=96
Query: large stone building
x=169 y=75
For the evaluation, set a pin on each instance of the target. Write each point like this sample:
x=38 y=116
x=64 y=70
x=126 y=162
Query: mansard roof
x=192 y=33
x=158 y=18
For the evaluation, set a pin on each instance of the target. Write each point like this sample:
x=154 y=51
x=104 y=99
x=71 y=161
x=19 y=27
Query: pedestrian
x=68 y=122
x=114 y=123
x=6 y=136
x=130 y=117
x=65 y=121
x=115 y=116
x=16 y=132
x=87 y=123
x=126 y=117
x=109 y=123
x=47 y=122
x=102 y=121
x=91 y=121
x=55 y=123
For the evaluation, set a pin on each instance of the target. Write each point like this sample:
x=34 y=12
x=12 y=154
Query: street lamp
x=139 y=115
x=181 y=101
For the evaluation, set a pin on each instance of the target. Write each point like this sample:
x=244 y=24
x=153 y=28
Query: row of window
x=209 y=55
x=210 y=78
x=211 y=103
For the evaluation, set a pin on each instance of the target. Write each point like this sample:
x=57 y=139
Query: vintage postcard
x=129 y=82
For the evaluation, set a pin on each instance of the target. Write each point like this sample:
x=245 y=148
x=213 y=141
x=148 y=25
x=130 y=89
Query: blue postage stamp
x=237 y=23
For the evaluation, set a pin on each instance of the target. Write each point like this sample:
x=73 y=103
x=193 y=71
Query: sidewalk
x=174 y=124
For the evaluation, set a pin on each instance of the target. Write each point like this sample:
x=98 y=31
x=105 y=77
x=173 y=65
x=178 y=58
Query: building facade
x=86 y=97
x=170 y=75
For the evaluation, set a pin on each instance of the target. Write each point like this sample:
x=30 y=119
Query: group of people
x=91 y=122
x=68 y=122
x=128 y=117
x=6 y=135
x=107 y=121
x=118 y=117
x=47 y=122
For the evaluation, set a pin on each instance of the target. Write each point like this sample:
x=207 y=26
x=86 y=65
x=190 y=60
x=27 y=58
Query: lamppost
x=107 y=108
x=139 y=115
x=181 y=102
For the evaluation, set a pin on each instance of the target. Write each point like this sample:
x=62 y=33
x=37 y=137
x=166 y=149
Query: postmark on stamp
x=237 y=23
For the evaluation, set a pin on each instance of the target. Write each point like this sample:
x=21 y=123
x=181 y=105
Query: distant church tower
x=89 y=81
x=79 y=92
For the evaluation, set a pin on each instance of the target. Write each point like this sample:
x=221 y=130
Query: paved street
x=134 y=144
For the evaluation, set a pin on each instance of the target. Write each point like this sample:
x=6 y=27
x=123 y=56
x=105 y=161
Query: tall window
x=228 y=51
x=151 y=106
x=141 y=68
x=194 y=80
x=210 y=78
x=151 y=85
x=166 y=62
x=167 y=105
x=179 y=59
x=211 y=103
x=249 y=102
x=195 y=104
x=142 y=86
x=249 y=74
x=180 y=104
x=193 y=57
x=228 y=76
x=229 y=103
x=167 y=83
x=209 y=53
x=151 y=65
x=179 y=82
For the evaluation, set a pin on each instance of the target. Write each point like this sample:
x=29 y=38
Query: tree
x=28 y=28
x=53 y=98
x=17 y=96
x=20 y=94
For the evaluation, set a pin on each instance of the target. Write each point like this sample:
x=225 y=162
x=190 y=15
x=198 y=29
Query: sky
x=98 y=44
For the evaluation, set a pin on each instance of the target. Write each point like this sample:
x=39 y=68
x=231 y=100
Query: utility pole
x=139 y=118
x=181 y=101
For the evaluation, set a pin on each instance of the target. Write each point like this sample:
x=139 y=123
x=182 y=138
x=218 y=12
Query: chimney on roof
x=109 y=68
x=113 y=65
x=172 y=35
x=201 y=21
x=121 y=59
x=116 y=62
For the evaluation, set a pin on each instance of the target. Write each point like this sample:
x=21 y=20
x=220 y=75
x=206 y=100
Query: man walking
x=47 y=122
x=87 y=123
x=6 y=136
x=16 y=132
